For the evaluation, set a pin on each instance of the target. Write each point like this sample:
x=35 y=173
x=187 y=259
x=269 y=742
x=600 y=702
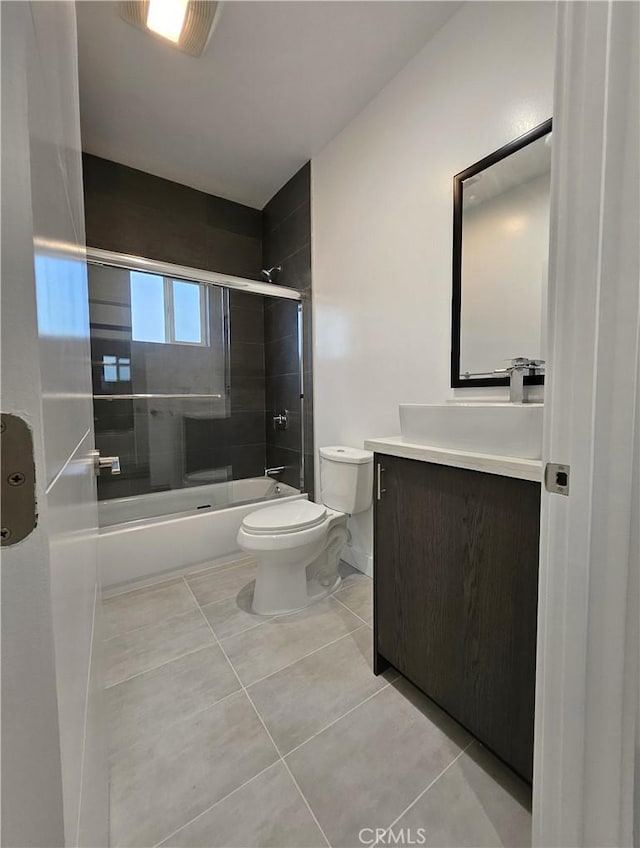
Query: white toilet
x=297 y=545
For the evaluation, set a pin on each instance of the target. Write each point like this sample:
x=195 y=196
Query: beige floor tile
x=234 y=615
x=259 y=652
x=159 y=787
x=268 y=811
x=357 y=595
x=365 y=769
x=144 y=707
x=220 y=583
x=148 y=647
x=305 y=697
x=477 y=803
x=145 y=606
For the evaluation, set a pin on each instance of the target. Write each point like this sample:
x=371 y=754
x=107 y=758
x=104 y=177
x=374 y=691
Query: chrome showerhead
x=270 y=274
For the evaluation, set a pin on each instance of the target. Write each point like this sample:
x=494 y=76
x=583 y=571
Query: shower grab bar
x=148 y=396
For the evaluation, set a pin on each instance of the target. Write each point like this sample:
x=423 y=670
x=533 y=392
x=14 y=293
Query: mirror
x=500 y=261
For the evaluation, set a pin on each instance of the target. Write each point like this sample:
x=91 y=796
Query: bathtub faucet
x=275 y=471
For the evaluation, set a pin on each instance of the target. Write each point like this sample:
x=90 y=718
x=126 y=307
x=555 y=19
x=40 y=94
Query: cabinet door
x=456 y=574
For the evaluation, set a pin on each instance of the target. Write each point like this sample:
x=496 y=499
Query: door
x=587 y=710
x=54 y=779
x=456 y=595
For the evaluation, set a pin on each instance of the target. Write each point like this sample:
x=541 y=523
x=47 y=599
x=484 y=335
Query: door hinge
x=18 y=490
x=556 y=478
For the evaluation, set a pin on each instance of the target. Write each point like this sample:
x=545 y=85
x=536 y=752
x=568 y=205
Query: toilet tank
x=346 y=478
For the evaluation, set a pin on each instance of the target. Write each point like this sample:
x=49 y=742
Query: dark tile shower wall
x=286 y=241
x=129 y=211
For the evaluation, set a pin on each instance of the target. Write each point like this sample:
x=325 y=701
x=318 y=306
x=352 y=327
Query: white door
x=587 y=728
x=54 y=778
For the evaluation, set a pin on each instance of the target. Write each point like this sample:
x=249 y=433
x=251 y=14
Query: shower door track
x=151 y=396
x=97 y=256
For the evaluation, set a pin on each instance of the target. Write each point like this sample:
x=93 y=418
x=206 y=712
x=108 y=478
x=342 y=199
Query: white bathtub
x=149 y=536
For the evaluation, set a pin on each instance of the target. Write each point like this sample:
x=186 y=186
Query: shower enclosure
x=197 y=389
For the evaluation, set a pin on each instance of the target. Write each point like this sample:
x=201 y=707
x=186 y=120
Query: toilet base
x=290 y=580
x=314 y=593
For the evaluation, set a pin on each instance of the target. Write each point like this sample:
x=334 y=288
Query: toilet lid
x=285 y=518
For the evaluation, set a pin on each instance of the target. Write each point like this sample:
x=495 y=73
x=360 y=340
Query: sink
x=501 y=429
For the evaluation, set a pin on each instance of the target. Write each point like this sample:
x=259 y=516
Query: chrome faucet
x=520 y=368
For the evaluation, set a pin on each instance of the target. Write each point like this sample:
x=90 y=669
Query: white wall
x=382 y=216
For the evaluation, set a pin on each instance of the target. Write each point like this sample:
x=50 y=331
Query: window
x=167 y=311
x=116 y=369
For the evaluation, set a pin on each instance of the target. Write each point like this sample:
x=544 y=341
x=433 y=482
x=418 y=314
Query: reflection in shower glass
x=187 y=380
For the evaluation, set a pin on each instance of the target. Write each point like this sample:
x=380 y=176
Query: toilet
x=297 y=544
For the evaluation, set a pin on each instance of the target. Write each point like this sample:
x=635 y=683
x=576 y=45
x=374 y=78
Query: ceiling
x=277 y=82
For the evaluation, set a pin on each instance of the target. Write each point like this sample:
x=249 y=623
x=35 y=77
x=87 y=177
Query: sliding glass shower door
x=195 y=385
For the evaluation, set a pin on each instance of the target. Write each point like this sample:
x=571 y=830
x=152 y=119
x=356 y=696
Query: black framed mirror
x=500 y=261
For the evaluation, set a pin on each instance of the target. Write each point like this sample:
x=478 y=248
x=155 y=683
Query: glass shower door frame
x=98 y=256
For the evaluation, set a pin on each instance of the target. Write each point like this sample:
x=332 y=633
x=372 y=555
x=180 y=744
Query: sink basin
x=501 y=429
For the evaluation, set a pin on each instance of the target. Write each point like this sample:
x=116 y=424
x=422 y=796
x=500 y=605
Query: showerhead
x=270 y=274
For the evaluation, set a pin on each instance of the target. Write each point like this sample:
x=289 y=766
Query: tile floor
x=232 y=729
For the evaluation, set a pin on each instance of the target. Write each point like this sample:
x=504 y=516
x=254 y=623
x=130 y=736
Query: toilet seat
x=294 y=517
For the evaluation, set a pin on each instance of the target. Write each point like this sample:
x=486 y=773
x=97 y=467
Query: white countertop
x=505 y=466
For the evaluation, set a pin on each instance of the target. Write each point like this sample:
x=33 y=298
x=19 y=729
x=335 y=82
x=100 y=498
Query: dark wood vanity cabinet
x=455 y=594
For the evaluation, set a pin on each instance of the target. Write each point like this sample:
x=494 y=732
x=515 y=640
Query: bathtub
x=150 y=536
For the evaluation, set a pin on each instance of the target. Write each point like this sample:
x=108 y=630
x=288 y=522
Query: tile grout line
x=219 y=801
x=310 y=654
x=169 y=617
x=368 y=623
x=339 y=718
x=175 y=577
x=240 y=632
x=426 y=789
x=148 y=587
x=174 y=724
x=178 y=578
x=152 y=624
x=160 y=665
x=266 y=729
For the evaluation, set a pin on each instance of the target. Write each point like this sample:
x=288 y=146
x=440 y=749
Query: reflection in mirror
x=501 y=245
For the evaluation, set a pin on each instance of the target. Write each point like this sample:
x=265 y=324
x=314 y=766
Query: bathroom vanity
x=456 y=538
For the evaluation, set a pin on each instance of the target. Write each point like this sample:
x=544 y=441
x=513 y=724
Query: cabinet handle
x=380 y=490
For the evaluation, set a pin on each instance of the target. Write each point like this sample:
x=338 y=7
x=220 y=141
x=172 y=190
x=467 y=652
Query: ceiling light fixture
x=166 y=17
x=187 y=24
